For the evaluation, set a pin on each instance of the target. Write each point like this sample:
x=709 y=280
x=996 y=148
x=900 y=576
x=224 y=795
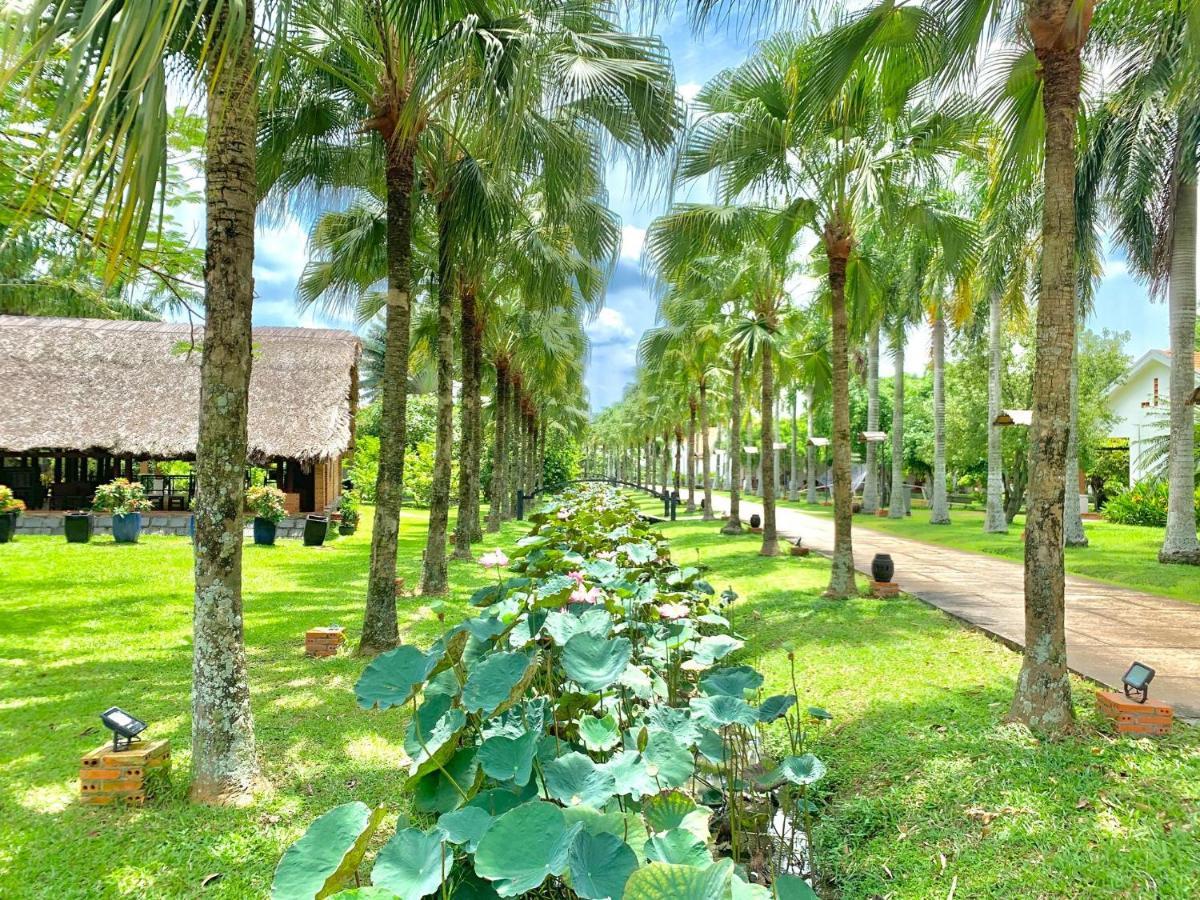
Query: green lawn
x=921 y=765
x=1118 y=554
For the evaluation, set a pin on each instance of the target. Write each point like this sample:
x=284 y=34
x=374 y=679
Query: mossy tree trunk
x=871 y=483
x=734 y=525
x=224 y=761
x=841 y=578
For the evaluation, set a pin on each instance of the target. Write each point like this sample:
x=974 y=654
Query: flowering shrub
x=585 y=734
x=266 y=502
x=121 y=497
x=348 y=506
x=1143 y=504
x=9 y=503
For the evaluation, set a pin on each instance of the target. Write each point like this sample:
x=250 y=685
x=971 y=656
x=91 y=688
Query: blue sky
x=1121 y=304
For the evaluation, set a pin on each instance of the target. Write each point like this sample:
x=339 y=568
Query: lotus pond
x=583 y=735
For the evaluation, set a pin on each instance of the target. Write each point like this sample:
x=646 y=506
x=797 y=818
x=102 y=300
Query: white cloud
x=632 y=240
x=1115 y=268
x=688 y=91
x=280 y=254
x=609 y=326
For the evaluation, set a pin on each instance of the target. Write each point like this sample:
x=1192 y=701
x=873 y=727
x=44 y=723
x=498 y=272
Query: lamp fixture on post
x=125 y=728
x=1137 y=681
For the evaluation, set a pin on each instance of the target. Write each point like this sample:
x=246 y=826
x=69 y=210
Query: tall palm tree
x=1151 y=138
x=112 y=118
x=837 y=161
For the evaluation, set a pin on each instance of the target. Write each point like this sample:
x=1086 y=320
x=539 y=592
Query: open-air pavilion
x=89 y=400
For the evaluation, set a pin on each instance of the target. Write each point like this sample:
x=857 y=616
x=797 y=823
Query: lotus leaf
x=327 y=854
x=599 y=733
x=792 y=887
x=573 y=779
x=509 y=759
x=595 y=663
x=663 y=881
x=744 y=890
x=714 y=647
x=465 y=826
x=721 y=710
x=805 y=769
x=497 y=681
x=667 y=763
x=676 y=721
x=733 y=681
x=393 y=678
x=430 y=745
x=413 y=863
x=628 y=826
x=600 y=864
x=675 y=809
x=441 y=789
x=679 y=847
x=775 y=707
x=525 y=846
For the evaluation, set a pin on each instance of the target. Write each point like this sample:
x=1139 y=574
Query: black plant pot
x=315 y=530
x=264 y=531
x=882 y=567
x=756 y=521
x=78 y=527
x=347 y=529
x=8 y=526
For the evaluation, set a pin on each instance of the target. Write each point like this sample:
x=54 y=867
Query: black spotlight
x=125 y=728
x=1137 y=681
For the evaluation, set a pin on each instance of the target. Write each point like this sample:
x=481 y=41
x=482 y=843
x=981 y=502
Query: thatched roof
x=126 y=388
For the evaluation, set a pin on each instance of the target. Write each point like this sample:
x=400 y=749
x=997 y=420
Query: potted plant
x=267 y=503
x=348 y=504
x=10 y=511
x=125 y=501
x=77 y=526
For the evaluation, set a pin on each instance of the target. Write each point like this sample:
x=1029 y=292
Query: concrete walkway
x=1108 y=627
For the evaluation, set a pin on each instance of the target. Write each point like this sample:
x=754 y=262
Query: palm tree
x=1150 y=139
x=845 y=157
x=113 y=119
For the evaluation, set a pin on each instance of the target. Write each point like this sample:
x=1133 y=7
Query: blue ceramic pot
x=264 y=531
x=126 y=528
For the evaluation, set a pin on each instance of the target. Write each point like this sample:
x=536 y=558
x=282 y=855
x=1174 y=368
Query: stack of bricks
x=108 y=776
x=884 y=589
x=1133 y=717
x=324 y=641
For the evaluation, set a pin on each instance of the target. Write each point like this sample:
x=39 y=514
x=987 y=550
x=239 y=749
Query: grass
x=922 y=766
x=1125 y=555
x=84 y=626
x=929 y=789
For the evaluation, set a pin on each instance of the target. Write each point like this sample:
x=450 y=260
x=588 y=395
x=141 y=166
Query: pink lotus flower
x=591 y=596
x=493 y=560
x=564 y=514
x=578 y=576
x=673 y=610
x=607 y=554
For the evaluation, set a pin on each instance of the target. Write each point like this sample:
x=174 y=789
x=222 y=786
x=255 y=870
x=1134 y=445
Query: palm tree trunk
x=871 y=484
x=793 y=471
x=499 y=487
x=1073 y=533
x=897 y=507
x=379 y=621
x=224 y=761
x=766 y=452
x=475 y=401
x=512 y=475
x=434 y=576
x=734 y=525
x=677 y=478
x=810 y=452
x=704 y=461
x=468 y=448
x=940 y=506
x=666 y=462
x=1180 y=544
x=691 y=460
x=994 y=521
x=841 y=576
x=1043 y=695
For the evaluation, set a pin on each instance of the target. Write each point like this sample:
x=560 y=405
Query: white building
x=1139 y=401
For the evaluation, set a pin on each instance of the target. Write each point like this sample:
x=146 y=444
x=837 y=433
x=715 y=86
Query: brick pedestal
x=1133 y=717
x=108 y=776
x=798 y=551
x=323 y=641
x=884 y=589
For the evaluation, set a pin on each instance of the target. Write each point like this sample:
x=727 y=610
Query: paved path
x=1107 y=626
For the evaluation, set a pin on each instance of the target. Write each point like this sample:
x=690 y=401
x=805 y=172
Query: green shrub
x=364 y=471
x=121 y=497
x=1143 y=504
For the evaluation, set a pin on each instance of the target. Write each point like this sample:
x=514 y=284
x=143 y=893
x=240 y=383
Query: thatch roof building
x=131 y=391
